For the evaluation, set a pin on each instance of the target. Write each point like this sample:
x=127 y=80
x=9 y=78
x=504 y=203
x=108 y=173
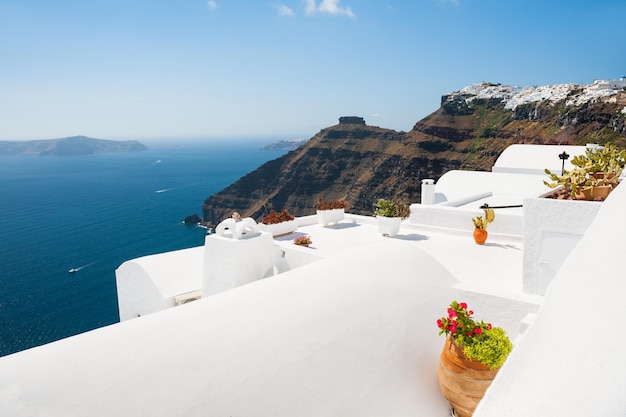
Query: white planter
x=279 y=229
x=326 y=217
x=388 y=226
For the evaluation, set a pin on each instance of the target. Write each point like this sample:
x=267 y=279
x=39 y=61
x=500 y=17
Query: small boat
x=71 y=271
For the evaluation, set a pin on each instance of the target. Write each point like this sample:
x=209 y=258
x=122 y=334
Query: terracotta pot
x=480 y=235
x=600 y=175
x=592 y=193
x=462 y=381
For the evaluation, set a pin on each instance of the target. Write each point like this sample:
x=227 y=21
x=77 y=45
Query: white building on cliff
x=347 y=326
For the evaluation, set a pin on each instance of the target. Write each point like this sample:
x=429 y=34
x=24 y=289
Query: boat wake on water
x=73 y=270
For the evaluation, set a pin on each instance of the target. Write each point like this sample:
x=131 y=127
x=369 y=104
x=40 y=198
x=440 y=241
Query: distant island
x=285 y=145
x=74 y=145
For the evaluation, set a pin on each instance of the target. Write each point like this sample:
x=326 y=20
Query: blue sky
x=137 y=69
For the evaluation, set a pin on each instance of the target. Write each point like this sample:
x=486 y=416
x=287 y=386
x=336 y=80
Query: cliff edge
x=361 y=163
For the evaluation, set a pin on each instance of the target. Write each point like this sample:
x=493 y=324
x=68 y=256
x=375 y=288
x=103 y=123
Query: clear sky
x=137 y=69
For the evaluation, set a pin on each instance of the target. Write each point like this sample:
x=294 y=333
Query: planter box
x=326 y=217
x=279 y=229
x=388 y=226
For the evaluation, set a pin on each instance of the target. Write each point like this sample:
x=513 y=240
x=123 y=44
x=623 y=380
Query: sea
x=91 y=213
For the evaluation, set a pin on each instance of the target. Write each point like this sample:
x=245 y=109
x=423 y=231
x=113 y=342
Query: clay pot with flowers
x=472 y=354
x=480 y=226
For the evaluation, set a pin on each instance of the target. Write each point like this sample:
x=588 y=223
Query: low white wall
x=571 y=362
x=457 y=184
x=150 y=283
x=352 y=335
x=552 y=228
x=460 y=220
x=534 y=159
x=296 y=257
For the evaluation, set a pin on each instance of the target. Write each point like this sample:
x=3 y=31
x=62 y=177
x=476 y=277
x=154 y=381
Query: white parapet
x=156 y=282
x=552 y=228
x=237 y=254
x=570 y=360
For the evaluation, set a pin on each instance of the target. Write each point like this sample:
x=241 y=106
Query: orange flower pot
x=480 y=236
x=462 y=381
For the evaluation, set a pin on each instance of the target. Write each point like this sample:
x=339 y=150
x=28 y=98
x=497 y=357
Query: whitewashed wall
x=552 y=228
x=571 y=361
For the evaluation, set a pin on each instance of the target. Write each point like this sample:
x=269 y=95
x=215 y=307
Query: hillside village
x=573 y=94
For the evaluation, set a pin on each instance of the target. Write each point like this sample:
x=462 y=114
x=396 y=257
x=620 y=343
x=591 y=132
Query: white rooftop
x=348 y=326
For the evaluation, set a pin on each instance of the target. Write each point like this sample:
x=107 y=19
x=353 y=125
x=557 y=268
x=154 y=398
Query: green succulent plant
x=597 y=167
x=391 y=208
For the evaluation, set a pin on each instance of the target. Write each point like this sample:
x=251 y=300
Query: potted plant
x=472 y=355
x=594 y=175
x=303 y=241
x=330 y=211
x=279 y=223
x=389 y=215
x=606 y=163
x=480 y=225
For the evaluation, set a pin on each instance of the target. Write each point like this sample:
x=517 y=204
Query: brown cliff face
x=349 y=161
x=360 y=163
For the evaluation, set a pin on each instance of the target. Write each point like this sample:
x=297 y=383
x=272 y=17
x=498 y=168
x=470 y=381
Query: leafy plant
x=597 y=167
x=492 y=349
x=275 y=217
x=609 y=161
x=331 y=205
x=481 y=223
x=303 y=241
x=570 y=180
x=391 y=208
x=480 y=341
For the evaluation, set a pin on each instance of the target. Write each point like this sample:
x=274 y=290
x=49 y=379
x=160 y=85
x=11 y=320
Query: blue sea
x=92 y=213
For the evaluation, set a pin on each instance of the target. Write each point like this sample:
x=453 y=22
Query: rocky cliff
x=361 y=163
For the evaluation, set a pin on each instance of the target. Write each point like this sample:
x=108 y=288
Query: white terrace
x=347 y=327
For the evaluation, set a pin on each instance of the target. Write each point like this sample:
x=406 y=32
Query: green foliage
x=488 y=132
x=481 y=223
x=608 y=161
x=476 y=146
x=391 y=208
x=480 y=341
x=570 y=180
x=490 y=348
